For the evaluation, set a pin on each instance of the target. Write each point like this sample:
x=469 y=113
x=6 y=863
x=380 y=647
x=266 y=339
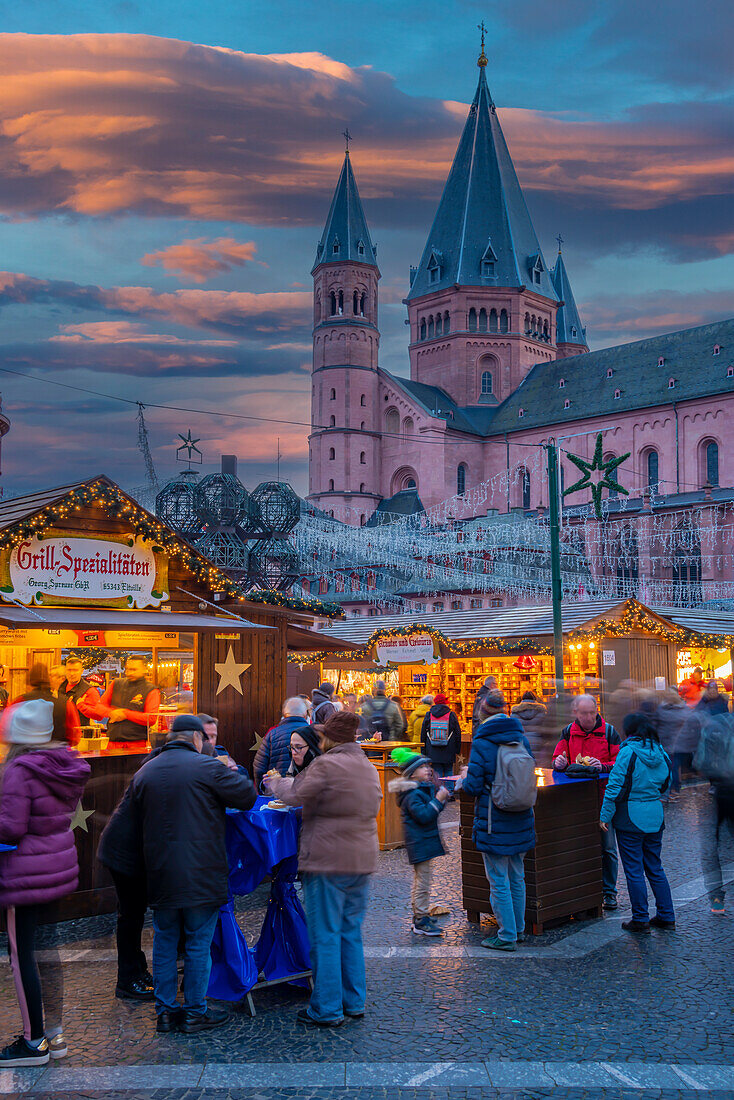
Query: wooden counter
x=562 y=873
x=389 y=824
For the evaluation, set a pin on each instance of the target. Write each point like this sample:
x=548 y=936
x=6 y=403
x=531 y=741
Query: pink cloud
x=124 y=332
x=200 y=259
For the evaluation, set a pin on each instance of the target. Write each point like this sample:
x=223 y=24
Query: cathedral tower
x=482 y=305
x=570 y=333
x=344 y=452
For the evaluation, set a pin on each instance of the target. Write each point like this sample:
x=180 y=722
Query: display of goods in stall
x=175 y=505
x=280 y=508
x=273 y=564
x=221 y=500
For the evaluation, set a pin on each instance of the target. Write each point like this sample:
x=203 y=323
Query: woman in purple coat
x=42 y=783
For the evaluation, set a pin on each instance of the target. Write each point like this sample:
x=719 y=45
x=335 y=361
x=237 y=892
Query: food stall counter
x=389 y=825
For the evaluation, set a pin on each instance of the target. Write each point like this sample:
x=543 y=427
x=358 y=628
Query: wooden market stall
x=85 y=571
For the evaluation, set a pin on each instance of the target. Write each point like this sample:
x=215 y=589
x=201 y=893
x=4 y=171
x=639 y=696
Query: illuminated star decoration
x=229 y=672
x=605 y=479
x=188 y=445
x=79 y=820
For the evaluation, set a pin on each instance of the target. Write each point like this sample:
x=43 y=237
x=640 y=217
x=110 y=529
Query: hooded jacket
x=534 y=718
x=512 y=832
x=641 y=774
x=415 y=723
x=420 y=810
x=323 y=706
x=441 y=754
x=40 y=791
x=274 y=750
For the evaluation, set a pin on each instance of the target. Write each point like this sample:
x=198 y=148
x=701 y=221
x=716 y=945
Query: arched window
x=472 y=320
x=332 y=421
x=533 y=325
x=482 y=325
x=355 y=303
x=423 y=328
x=493 y=323
x=332 y=454
x=712 y=463
x=331 y=485
x=363 y=400
x=430 y=327
x=461 y=480
x=362 y=458
x=408 y=426
x=317 y=309
x=341 y=302
x=545 y=331
x=362 y=426
x=333 y=395
x=504 y=321
x=361 y=487
x=439 y=324
x=486 y=381
x=392 y=422
x=613 y=494
x=527 y=324
x=410 y=483
x=653 y=464
x=446 y=322
x=361 y=305
x=525 y=488
x=332 y=299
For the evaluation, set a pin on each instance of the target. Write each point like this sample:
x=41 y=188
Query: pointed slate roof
x=346 y=225
x=569 y=329
x=482 y=234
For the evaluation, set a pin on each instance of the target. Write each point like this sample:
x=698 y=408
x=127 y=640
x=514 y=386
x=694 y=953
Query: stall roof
x=501 y=622
x=113 y=618
x=701 y=619
x=302 y=640
x=17 y=508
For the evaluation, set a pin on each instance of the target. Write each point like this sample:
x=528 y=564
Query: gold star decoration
x=79 y=820
x=229 y=672
x=605 y=471
x=256 y=743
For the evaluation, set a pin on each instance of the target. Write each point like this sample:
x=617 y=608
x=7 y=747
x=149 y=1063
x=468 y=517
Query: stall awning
x=302 y=640
x=114 y=618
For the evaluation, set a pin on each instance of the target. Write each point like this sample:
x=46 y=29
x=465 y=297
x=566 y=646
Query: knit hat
x=187 y=723
x=341 y=727
x=493 y=701
x=441 y=699
x=326 y=688
x=408 y=761
x=32 y=722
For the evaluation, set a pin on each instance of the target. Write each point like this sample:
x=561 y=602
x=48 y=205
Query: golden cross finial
x=347 y=138
x=482 y=61
x=559 y=238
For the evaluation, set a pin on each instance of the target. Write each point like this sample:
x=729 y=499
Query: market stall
x=86 y=572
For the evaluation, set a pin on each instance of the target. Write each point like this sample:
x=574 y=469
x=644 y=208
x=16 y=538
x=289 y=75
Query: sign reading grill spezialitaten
x=64 y=570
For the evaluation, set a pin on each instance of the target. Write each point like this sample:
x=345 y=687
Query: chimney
x=229 y=465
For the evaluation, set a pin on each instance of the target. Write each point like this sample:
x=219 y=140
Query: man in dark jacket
x=181 y=798
x=274 y=750
x=490 y=683
x=512 y=834
x=323 y=705
x=534 y=717
x=441 y=736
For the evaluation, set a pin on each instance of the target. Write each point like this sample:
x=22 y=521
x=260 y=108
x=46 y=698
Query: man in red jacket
x=131 y=703
x=589 y=736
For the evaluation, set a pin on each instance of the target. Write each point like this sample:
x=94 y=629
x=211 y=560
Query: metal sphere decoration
x=273 y=564
x=222 y=501
x=280 y=508
x=175 y=505
x=226 y=549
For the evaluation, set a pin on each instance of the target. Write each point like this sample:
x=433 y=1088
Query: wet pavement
x=583 y=1010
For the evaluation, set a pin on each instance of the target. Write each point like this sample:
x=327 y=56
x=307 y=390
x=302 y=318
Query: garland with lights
x=296 y=603
x=634 y=617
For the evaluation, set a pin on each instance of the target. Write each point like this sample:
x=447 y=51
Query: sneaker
x=424 y=926
x=21 y=1053
x=496 y=944
x=610 y=904
x=57 y=1047
x=305 y=1017
x=640 y=926
x=435 y=926
x=717 y=906
x=666 y=925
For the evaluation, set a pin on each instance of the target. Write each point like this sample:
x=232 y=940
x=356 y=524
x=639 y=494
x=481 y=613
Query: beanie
x=341 y=727
x=31 y=722
x=187 y=723
x=326 y=688
x=441 y=699
x=408 y=761
x=493 y=701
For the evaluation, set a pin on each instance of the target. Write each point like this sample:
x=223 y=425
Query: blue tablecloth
x=8 y=847
x=260 y=842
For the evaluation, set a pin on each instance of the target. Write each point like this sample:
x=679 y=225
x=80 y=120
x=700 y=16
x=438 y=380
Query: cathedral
x=499 y=364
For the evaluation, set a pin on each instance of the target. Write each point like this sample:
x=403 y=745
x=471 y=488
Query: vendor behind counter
x=130 y=703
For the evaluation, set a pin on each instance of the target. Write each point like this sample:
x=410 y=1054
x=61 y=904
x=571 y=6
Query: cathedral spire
x=569 y=329
x=346 y=236
x=482 y=234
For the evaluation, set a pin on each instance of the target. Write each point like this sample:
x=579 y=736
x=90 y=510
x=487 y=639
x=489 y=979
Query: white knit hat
x=31 y=722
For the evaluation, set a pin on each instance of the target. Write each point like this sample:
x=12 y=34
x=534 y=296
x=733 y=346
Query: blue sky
x=160 y=199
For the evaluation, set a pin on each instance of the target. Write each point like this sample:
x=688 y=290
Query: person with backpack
x=323 y=706
x=415 y=719
x=632 y=802
x=597 y=742
x=714 y=760
x=490 y=682
x=383 y=717
x=501 y=777
x=441 y=736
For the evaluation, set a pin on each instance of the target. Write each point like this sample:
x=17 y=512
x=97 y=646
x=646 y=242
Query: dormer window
x=336 y=246
x=730 y=372
x=574 y=331
x=671 y=383
x=610 y=373
x=535 y=267
x=434 y=267
x=562 y=383
x=489 y=260
x=661 y=361
x=521 y=412
x=717 y=349
x=617 y=395
x=360 y=248
x=567 y=404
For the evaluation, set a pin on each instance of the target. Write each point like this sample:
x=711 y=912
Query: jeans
x=335 y=906
x=640 y=854
x=609 y=862
x=132 y=901
x=506 y=875
x=420 y=895
x=717 y=811
x=442 y=770
x=680 y=760
x=197 y=926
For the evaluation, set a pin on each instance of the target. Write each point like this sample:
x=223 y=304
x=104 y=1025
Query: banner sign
x=90 y=638
x=63 y=570
x=406 y=649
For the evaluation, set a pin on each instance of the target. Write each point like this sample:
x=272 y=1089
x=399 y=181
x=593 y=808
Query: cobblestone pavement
x=583 y=1010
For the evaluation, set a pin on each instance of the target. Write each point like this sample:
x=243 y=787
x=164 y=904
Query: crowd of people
x=164 y=845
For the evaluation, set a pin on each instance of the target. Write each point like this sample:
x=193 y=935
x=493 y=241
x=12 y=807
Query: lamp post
x=555 y=552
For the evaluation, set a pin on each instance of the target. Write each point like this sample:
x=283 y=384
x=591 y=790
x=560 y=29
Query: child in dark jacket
x=420 y=806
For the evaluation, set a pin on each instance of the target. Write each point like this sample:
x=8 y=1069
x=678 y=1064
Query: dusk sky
x=166 y=169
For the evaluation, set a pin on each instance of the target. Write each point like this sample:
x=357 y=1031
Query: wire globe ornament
x=175 y=505
x=226 y=549
x=221 y=500
x=274 y=565
x=280 y=508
